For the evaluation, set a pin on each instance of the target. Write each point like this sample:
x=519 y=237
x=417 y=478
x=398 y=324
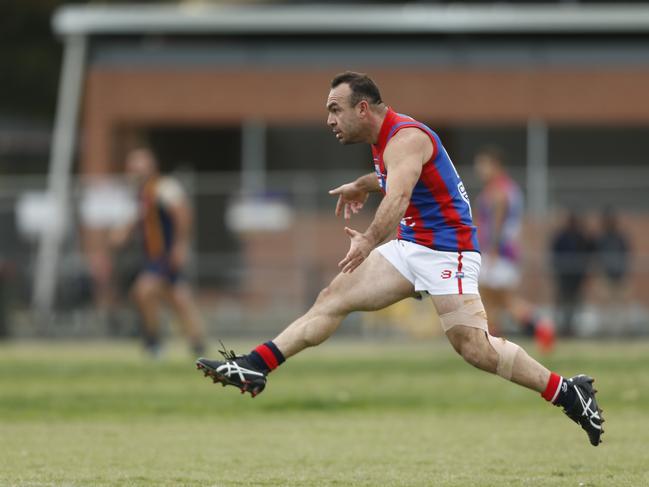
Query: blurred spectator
x=105 y=204
x=165 y=220
x=500 y=208
x=572 y=250
x=612 y=252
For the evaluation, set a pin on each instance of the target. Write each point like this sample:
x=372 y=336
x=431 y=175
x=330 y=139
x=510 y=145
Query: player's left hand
x=351 y=199
x=360 y=247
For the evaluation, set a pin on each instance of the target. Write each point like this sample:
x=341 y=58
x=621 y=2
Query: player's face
x=343 y=119
x=140 y=165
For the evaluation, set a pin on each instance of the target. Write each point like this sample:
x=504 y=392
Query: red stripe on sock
x=551 y=388
x=267 y=355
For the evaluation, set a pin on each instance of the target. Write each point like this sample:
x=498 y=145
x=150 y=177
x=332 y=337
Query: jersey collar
x=388 y=122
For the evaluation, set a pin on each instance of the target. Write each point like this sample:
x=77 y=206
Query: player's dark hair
x=494 y=153
x=361 y=85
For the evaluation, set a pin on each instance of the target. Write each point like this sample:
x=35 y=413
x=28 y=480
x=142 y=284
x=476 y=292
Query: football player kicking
x=436 y=252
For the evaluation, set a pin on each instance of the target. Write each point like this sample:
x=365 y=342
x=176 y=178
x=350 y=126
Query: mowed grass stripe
x=117 y=381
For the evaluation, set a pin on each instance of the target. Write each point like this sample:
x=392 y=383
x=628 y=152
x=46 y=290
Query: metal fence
x=259 y=260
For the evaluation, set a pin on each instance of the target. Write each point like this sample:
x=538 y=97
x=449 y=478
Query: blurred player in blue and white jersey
x=500 y=209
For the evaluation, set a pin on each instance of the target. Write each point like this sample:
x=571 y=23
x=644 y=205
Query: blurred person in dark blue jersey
x=165 y=220
x=612 y=251
x=572 y=250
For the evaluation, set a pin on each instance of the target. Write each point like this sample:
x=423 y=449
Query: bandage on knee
x=507 y=352
x=470 y=313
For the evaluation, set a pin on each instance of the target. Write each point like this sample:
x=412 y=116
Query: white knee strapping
x=470 y=313
x=507 y=352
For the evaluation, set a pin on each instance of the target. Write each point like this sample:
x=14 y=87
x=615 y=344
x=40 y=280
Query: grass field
x=345 y=414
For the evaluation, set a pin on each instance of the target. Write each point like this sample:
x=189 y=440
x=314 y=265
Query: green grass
x=390 y=414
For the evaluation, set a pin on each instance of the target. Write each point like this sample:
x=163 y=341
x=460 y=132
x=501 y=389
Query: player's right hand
x=351 y=199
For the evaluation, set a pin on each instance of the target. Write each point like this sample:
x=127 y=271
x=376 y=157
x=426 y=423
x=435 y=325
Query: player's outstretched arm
x=352 y=196
x=404 y=157
x=181 y=215
x=369 y=182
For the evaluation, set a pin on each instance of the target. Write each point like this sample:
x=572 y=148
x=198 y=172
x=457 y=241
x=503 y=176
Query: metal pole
x=253 y=157
x=61 y=157
x=305 y=192
x=537 y=167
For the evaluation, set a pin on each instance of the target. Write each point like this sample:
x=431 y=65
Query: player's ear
x=362 y=107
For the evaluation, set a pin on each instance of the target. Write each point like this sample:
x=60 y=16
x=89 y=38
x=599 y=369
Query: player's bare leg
x=183 y=303
x=473 y=345
x=374 y=285
x=499 y=356
x=147 y=292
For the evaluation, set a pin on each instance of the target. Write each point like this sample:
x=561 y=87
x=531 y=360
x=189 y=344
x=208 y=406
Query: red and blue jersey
x=505 y=238
x=439 y=213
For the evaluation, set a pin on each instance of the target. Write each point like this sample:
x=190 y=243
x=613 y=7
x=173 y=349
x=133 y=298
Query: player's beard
x=352 y=135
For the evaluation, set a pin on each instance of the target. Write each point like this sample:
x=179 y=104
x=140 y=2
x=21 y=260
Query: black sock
x=566 y=396
x=266 y=357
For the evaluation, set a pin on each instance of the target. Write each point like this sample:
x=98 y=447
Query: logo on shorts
x=459 y=275
x=446 y=274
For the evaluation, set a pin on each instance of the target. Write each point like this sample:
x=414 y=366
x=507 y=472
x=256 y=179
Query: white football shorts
x=433 y=271
x=499 y=273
